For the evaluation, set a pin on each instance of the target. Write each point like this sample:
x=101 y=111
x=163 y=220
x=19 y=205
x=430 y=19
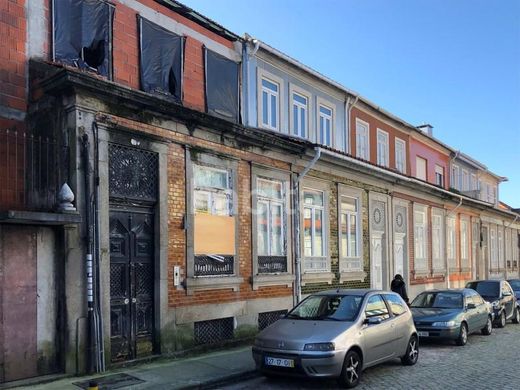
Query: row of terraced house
x=166 y=184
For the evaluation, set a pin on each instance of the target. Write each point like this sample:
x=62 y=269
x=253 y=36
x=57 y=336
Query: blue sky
x=454 y=64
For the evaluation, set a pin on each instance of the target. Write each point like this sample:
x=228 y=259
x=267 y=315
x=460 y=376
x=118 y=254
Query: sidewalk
x=209 y=370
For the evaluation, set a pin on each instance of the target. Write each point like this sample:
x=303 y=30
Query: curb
x=224 y=380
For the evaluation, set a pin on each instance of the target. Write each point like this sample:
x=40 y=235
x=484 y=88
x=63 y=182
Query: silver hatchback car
x=338 y=334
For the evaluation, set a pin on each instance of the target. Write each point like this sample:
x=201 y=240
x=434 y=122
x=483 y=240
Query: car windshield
x=327 y=308
x=515 y=284
x=486 y=289
x=439 y=300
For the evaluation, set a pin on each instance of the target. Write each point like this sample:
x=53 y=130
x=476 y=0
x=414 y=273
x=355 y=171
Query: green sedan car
x=451 y=314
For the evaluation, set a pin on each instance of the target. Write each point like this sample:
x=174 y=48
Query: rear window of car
x=486 y=288
x=439 y=300
x=327 y=307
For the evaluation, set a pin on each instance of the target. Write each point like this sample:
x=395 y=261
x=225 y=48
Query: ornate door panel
x=400 y=223
x=378 y=243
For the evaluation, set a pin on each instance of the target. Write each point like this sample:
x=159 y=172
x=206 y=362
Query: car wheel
x=351 y=372
x=412 y=352
x=502 y=320
x=463 y=335
x=486 y=330
x=516 y=317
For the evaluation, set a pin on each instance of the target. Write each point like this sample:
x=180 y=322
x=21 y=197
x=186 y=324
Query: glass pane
x=201 y=202
x=274 y=112
x=269 y=85
x=307 y=229
x=262 y=227
x=277 y=247
x=344 y=235
x=265 y=99
x=313 y=198
x=325 y=111
x=322 y=130
x=295 y=120
x=269 y=188
x=303 y=122
x=208 y=177
x=221 y=204
x=348 y=204
x=327 y=131
x=353 y=236
x=300 y=99
x=318 y=233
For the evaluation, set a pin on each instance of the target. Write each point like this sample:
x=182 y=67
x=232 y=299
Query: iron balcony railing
x=32 y=170
x=214 y=265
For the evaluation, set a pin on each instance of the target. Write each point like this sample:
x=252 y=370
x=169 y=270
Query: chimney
x=426 y=129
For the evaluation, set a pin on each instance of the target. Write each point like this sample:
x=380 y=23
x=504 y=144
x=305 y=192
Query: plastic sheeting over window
x=161 y=60
x=82 y=34
x=221 y=86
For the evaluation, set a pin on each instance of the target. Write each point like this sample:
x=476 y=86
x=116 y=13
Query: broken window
x=221 y=86
x=82 y=34
x=161 y=60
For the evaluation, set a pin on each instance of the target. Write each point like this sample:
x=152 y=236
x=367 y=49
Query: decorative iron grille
x=214 y=265
x=213 y=331
x=117 y=280
x=272 y=264
x=268 y=318
x=133 y=173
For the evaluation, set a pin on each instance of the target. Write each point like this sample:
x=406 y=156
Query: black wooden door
x=131 y=283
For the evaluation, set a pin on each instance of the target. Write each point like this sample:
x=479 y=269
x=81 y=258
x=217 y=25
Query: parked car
x=451 y=314
x=338 y=334
x=515 y=285
x=502 y=298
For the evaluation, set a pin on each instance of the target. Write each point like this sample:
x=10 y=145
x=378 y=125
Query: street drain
x=109 y=382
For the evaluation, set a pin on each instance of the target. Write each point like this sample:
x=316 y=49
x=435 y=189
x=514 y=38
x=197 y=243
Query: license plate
x=271 y=361
x=423 y=334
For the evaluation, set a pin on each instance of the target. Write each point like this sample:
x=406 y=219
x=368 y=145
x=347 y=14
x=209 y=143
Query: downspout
x=296 y=223
x=447 y=260
x=349 y=110
x=91 y=353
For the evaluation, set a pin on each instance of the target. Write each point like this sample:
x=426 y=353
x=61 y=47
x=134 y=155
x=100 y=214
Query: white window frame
x=294 y=89
x=451 y=241
x=366 y=126
x=417 y=159
x=473 y=182
x=269 y=202
x=500 y=245
x=263 y=74
x=465 y=180
x=420 y=231
x=493 y=252
x=455 y=177
x=438 y=240
x=464 y=243
x=321 y=102
x=439 y=170
x=213 y=192
x=402 y=157
x=349 y=264
x=383 y=148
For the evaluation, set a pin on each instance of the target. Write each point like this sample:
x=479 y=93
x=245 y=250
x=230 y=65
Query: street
x=485 y=362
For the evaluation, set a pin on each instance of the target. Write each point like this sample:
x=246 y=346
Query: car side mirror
x=470 y=306
x=373 y=320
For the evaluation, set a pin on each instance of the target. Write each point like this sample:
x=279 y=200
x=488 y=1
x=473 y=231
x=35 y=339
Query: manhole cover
x=115 y=381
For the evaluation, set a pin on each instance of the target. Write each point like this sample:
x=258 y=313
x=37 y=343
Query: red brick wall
x=374 y=124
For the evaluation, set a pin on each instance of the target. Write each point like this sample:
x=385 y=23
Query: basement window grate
x=268 y=318
x=214 y=331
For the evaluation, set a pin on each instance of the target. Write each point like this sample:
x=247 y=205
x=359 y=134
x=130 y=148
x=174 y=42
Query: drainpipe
x=349 y=110
x=447 y=260
x=296 y=223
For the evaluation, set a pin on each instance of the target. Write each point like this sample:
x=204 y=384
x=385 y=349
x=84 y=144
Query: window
x=464 y=244
x=420 y=230
x=221 y=84
x=450 y=242
x=439 y=175
x=420 y=168
x=325 y=125
x=500 y=239
x=455 y=177
x=362 y=143
x=270 y=217
x=313 y=229
x=300 y=109
x=376 y=307
x=493 y=249
x=270 y=104
x=465 y=180
x=350 y=241
x=437 y=240
x=382 y=148
x=473 y=182
x=161 y=60
x=83 y=34
x=212 y=193
x=400 y=155
x=397 y=305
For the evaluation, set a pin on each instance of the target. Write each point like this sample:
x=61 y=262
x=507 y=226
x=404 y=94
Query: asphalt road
x=486 y=362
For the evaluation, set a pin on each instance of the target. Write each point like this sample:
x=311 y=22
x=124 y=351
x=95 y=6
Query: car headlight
x=495 y=304
x=447 y=324
x=321 y=347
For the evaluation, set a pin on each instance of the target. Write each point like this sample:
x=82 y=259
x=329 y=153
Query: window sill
x=439 y=272
x=348 y=276
x=317 y=277
x=213 y=283
x=263 y=280
x=423 y=273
